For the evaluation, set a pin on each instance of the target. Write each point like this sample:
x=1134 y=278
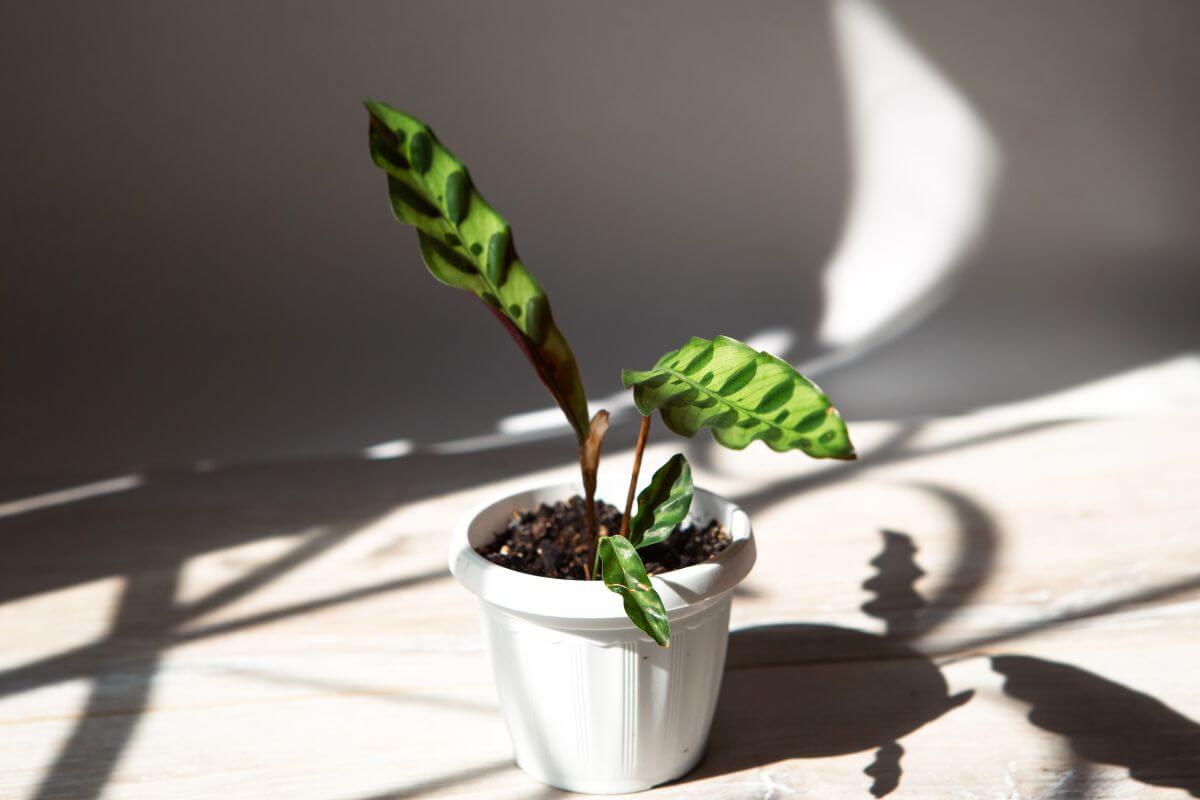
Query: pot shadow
x=1107 y=723
x=810 y=691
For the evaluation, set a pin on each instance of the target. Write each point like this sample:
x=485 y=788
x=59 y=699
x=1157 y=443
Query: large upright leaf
x=740 y=395
x=663 y=504
x=625 y=574
x=467 y=245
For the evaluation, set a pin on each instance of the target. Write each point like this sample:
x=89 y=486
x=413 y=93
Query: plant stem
x=589 y=465
x=637 y=467
x=589 y=504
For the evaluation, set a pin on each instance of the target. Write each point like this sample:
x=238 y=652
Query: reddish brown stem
x=589 y=504
x=633 y=479
x=589 y=464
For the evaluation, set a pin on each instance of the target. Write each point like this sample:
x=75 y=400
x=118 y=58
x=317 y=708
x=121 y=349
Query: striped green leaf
x=625 y=574
x=740 y=395
x=663 y=504
x=467 y=245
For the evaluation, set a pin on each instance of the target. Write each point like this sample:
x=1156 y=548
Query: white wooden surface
x=289 y=631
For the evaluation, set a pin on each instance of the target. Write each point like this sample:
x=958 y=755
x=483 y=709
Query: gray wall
x=198 y=260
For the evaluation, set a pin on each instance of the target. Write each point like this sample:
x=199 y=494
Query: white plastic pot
x=592 y=704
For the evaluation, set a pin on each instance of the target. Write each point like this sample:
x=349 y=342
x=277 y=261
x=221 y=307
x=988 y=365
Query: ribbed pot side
x=591 y=703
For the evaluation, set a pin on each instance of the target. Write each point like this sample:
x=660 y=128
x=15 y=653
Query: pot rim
x=557 y=601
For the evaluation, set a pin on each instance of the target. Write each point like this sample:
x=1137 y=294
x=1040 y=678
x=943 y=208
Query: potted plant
x=601 y=696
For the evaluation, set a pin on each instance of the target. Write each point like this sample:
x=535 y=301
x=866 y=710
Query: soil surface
x=551 y=541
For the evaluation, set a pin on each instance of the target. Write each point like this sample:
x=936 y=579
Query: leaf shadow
x=1105 y=722
x=807 y=691
x=810 y=691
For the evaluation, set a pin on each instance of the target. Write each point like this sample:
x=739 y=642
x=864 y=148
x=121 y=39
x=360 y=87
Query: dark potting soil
x=551 y=541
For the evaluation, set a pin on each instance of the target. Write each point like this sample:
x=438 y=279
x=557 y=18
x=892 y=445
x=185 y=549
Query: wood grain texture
x=1031 y=624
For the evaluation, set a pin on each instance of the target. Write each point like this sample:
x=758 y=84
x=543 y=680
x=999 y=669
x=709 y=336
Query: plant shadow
x=1105 y=722
x=810 y=691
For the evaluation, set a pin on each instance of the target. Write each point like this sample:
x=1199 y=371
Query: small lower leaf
x=624 y=574
x=663 y=504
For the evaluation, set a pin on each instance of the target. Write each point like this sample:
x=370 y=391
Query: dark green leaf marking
x=811 y=421
x=537 y=312
x=700 y=361
x=738 y=380
x=776 y=396
x=420 y=150
x=405 y=195
x=394 y=158
x=497 y=257
x=458 y=195
x=446 y=256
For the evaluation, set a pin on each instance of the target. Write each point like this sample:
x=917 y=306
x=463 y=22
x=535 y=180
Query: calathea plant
x=721 y=385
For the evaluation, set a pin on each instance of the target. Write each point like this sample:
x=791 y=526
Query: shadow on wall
x=1107 y=723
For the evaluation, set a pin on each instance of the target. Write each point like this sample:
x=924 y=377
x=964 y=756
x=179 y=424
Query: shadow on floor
x=147 y=535
x=808 y=691
x=1107 y=723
